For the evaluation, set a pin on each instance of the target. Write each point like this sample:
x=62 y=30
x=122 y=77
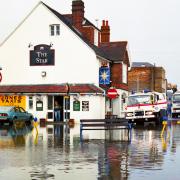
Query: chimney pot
x=107 y=23
x=77 y=13
x=103 y=23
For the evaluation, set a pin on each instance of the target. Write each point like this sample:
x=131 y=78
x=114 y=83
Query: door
x=50 y=113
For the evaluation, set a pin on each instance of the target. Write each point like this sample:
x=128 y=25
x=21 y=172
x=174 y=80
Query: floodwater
x=56 y=152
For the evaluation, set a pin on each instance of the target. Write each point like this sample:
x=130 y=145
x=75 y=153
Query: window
x=123 y=101
x=124 y=73
x=50 y=102
x=55 y=30
x=67 y=103
x=30 y=102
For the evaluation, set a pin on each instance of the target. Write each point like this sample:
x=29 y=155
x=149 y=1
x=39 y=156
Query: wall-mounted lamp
x=51 y=44
x=43 y=73
x=30 y=45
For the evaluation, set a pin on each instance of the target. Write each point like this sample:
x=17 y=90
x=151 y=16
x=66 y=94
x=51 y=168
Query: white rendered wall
x=75 y=62
x=116 y=104
x=96 y=108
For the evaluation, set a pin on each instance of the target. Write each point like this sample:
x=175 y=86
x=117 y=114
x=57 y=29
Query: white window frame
x=30 y=101
x=54 y=29
x=124 y=73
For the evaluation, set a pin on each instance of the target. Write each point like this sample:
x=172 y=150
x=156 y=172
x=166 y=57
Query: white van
x=175 y=104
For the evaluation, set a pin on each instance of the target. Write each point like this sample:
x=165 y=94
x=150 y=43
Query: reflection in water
x=14 y=136
x=59 y=154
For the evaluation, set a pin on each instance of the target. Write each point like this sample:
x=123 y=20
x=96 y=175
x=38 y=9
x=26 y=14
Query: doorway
x=58 y=106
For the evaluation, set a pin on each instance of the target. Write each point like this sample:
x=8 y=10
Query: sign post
x=112 y=94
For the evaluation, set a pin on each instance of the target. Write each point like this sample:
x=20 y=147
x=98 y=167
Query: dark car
x=10 y=114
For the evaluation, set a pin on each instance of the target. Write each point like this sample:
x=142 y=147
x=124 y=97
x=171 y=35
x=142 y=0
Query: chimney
x=105 y=32
x=77 y=13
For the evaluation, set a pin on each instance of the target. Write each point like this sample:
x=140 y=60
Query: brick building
x=146 y=76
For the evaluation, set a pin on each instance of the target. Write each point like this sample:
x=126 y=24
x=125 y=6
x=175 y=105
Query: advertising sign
x=13 y=101
x=42 y=55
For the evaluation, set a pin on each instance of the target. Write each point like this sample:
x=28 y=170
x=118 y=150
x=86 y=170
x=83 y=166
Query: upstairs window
x=55 y=30
x=124 y=73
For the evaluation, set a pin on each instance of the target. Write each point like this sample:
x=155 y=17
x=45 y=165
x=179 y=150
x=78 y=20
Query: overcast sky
x=151 y=27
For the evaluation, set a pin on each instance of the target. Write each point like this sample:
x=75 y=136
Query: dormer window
x=55 y=30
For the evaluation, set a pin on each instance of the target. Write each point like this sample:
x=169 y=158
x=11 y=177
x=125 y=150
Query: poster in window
x=76 y=105
x=85 y=105
x=39 y=106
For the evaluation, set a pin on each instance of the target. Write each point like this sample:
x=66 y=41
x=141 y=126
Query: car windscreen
x=176 y=98
x=139 y=99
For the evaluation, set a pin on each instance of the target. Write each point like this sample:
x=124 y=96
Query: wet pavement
x=56 y=152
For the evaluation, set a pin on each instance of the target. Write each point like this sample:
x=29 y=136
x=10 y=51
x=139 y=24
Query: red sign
x=0 y=77
x=112 y=93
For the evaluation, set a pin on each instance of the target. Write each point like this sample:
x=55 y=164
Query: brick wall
x=88 y=33
x=116 y=77
x=151 y=78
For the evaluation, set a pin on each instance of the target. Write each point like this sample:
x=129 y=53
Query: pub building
x=64 y=58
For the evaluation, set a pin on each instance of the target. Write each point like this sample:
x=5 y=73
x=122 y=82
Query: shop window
x=67 y=115
x=50 y=102
x=39 y=105
x=85 y=105
x=50 y=115
x=30 y=102
x=123 y=101
x=67 y=103
x=55 y=30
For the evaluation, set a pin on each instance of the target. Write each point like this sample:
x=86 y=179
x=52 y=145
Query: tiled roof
x=142 y=64
x=115 y=51
x=66 y=20
x=51 y=88
x=86 y=22
x=112 y=51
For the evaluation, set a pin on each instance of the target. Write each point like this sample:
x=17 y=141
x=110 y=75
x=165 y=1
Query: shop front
x=54 y=104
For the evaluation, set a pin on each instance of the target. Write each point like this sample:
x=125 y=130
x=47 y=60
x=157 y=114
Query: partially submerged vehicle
x=143 y=107
x=9 y=114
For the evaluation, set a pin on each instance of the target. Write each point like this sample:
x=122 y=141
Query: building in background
x=146 y=76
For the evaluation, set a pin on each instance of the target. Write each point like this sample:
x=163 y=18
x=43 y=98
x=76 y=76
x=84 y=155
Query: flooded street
x=56 y=152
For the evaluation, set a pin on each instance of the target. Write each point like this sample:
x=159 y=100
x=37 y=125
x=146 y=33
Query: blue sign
x=104 y=75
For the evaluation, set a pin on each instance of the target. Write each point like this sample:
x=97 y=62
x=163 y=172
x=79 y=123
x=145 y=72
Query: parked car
x=9 y=114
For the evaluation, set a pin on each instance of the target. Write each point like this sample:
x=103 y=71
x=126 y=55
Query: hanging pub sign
x=42 y=55
x=76 y=105
x=104 y=75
